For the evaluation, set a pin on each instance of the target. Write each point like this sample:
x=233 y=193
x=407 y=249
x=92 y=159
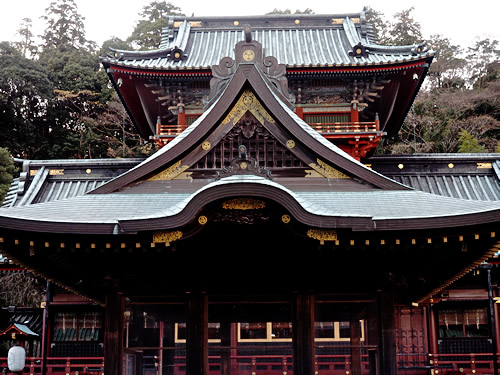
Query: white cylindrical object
x=16 y=358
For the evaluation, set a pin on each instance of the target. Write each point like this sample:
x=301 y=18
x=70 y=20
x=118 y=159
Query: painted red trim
x=118 y=69
x=355 y=69
x=290 y=70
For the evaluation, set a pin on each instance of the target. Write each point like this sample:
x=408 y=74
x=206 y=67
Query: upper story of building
x=344 y=85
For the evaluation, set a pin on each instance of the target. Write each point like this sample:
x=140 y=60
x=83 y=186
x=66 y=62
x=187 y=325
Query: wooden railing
x=168 y=132
x=62 y=365
x=445 y=364
x=345 y=127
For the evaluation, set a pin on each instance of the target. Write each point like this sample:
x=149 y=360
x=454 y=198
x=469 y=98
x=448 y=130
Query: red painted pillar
x=299 y=111
x=433 y=330
x=354 y=111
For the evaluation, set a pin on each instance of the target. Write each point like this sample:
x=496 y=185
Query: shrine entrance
x=235 y=336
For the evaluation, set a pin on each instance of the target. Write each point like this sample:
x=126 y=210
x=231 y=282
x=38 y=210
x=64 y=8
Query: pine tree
x=147 y=32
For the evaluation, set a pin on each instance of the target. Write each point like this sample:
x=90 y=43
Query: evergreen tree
x=7 y=171
x=484 y=62
x=26 y=45
x=25 y=95
x=147 y=32
x=468 y=144
x=446 y=71
x=380 y=25
x=65 y=26
x=404 y=30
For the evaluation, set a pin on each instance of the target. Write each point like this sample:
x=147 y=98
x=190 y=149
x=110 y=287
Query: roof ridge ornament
x=249 y=51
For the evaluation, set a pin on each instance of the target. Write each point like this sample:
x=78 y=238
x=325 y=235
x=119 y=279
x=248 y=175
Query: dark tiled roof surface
x=469 y=177
x=295 y=40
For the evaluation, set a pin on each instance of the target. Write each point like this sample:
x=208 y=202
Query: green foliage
x=447 y=67
x=380 y=25
x=403 y=30
x=147 y=32
x=26 y=45
x=7 y=171
x=484 y=62
x=115 y=43
x=65 y=26
x=25 y=91
x=468 y=144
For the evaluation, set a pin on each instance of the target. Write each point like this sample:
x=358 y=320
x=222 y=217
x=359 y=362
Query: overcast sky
x=459 y=21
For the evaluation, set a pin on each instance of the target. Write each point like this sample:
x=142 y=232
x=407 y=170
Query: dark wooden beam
x=303 y=334
x=372 y=339
x=113 y=333
x=355 y=328
x=197 y=334
x=387 y=329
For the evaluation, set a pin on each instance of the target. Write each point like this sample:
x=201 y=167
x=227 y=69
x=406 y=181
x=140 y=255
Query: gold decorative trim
x=170 y=173
x=484 y=165
x=88 y=171
x=337 y=21
x=248 y=55
x=290 y=143
x=322 y=235
x=206 y=146
x=166 y=237
x=286 y=219
x=56 y=172
x=202 y=220
x=178 y=24
x=33 y=172
x=247 y=102
x=451 y=165
x=243 y=204
x=326 y=170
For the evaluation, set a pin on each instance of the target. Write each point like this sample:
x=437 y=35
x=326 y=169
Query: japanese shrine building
x=255 y=240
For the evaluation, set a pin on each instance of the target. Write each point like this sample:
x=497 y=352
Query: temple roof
x=295 y=40
x=149 y=197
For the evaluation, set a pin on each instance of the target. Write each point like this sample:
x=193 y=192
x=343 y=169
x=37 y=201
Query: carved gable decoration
x=249 y=52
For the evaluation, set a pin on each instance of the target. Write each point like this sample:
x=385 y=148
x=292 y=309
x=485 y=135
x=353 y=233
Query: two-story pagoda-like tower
x=341 y=82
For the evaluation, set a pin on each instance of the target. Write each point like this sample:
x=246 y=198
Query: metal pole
x=491 y=316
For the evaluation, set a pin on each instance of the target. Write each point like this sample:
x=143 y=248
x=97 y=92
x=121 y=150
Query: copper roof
x=295 y=40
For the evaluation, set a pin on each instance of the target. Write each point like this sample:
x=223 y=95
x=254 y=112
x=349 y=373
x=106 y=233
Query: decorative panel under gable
x=260 y=145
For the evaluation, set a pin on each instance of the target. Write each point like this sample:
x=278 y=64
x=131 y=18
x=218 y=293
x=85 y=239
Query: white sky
x=459 y=21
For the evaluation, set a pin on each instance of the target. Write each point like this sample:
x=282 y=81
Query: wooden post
x=45 y=330
x=299 y=111
x=113 y=333
x=497 y=321
x=355 y=113
x=372 y=338
x=433 y=329
x=355 y=328
x=303 y=334
x=168 y=354
x=387 y=332
x=491 y=318
x=225 y=342
x=197 y=335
